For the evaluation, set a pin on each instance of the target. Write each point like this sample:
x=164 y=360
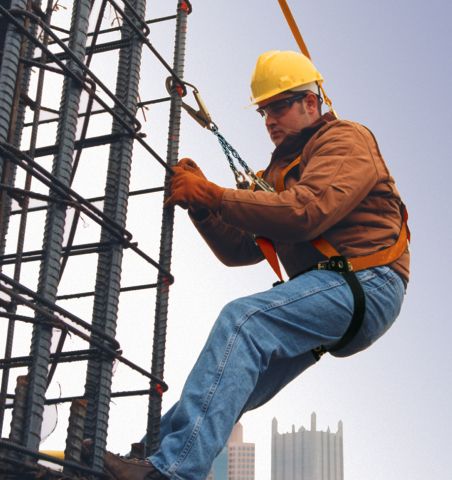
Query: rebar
x=99 y=375
x=74 y=439
x=166 y=240
x=33 y=48
x=8 y=172
x=54 y=228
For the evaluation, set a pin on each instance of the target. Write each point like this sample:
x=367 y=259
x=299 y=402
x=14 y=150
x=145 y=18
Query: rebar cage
x=74 y=152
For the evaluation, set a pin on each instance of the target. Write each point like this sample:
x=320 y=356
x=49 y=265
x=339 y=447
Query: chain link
x=202 y=116
x=231 y=154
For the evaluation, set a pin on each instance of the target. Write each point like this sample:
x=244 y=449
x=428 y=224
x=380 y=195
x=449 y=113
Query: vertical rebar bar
x=18 y=416
x=3 y=27
x=55 y=222
x=9 y=88
x=74 y=439
x=23 y=217
x=99 y=372
x=166 y=240
x=17 y=118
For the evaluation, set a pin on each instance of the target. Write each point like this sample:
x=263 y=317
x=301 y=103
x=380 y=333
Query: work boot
x=120 y=468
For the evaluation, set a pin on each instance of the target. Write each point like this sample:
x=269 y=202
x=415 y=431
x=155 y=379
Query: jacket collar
x=294 y=144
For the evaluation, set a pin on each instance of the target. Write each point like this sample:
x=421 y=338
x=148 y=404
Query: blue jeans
x=257 y=346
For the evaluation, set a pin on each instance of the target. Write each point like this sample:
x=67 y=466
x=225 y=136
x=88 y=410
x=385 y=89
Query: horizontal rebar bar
x=116 y=29
x=143 y=191
x=145 y=286
x=57 y=401
x=36 y=255
x=65 y=357
x=93 y=112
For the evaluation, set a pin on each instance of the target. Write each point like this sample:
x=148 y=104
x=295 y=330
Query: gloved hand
x=190 y=188
x=191 y=166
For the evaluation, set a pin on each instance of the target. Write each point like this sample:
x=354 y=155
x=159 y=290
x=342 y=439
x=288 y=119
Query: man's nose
x=269 y=120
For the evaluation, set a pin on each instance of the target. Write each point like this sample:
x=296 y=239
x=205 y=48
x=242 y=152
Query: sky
x=386 y=65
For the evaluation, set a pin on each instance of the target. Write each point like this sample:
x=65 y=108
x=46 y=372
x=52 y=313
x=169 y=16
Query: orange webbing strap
x=294 y=27
x=279 y=187
x=381 y=257
x=269 y=252
x=266 y=246
x=302 y=45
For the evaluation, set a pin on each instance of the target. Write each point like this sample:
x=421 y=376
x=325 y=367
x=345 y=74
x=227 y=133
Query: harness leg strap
x=341 y=265
x=359 y=309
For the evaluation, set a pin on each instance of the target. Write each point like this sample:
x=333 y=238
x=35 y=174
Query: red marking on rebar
x=184 y=6
x=180 y=90
x=159 y=389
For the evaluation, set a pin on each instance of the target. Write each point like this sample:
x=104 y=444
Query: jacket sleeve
x=340 y=171
x=231 y=246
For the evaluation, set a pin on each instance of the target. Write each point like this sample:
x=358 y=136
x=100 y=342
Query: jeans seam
x=187 y=447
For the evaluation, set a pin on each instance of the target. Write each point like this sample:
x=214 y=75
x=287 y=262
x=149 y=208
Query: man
x=334 y=197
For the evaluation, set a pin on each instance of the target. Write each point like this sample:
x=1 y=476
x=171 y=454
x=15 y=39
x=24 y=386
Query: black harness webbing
x=341 y=265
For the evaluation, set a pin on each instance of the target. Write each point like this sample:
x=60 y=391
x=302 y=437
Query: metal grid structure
x=42 y=149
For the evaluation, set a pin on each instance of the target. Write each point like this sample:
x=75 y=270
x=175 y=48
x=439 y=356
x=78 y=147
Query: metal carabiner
x=202 y=115
x=261 y=183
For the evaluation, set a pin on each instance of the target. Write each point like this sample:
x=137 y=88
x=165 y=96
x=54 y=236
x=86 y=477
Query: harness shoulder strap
x=266 y=245
x=280 y=185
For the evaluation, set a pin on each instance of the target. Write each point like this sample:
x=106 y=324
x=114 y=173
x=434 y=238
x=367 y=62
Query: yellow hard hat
x=277 y=71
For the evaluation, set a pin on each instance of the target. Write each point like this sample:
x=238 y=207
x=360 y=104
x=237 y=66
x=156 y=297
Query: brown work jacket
x=341 y=190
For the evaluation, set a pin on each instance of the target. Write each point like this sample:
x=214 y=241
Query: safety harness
x=336 y=262
x=347 y=267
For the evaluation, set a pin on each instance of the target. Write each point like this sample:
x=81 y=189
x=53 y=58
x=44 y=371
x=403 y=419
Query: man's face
x=283 y=118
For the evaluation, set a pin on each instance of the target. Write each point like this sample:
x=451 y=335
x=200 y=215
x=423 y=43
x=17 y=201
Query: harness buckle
x=336 y=263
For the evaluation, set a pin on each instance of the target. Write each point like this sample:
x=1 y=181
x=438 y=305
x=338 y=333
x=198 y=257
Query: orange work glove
x=191 y=166
x=190 y=190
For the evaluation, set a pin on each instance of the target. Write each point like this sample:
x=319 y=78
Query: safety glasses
x=280 y=107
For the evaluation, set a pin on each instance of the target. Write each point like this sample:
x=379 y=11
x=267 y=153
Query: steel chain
x=232 y=153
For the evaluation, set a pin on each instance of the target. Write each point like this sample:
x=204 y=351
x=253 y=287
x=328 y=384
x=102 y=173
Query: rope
x=294 y=28
x=302 y=45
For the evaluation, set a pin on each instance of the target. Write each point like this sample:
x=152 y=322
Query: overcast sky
x=386 y=65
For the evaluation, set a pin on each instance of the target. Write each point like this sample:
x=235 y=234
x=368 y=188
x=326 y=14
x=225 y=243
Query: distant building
x=307 y=454
x=236 y=460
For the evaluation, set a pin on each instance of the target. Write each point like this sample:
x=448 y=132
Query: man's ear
x=311 y=103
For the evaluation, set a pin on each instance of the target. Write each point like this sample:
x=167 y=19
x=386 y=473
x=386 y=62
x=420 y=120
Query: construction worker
x=338 y=225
